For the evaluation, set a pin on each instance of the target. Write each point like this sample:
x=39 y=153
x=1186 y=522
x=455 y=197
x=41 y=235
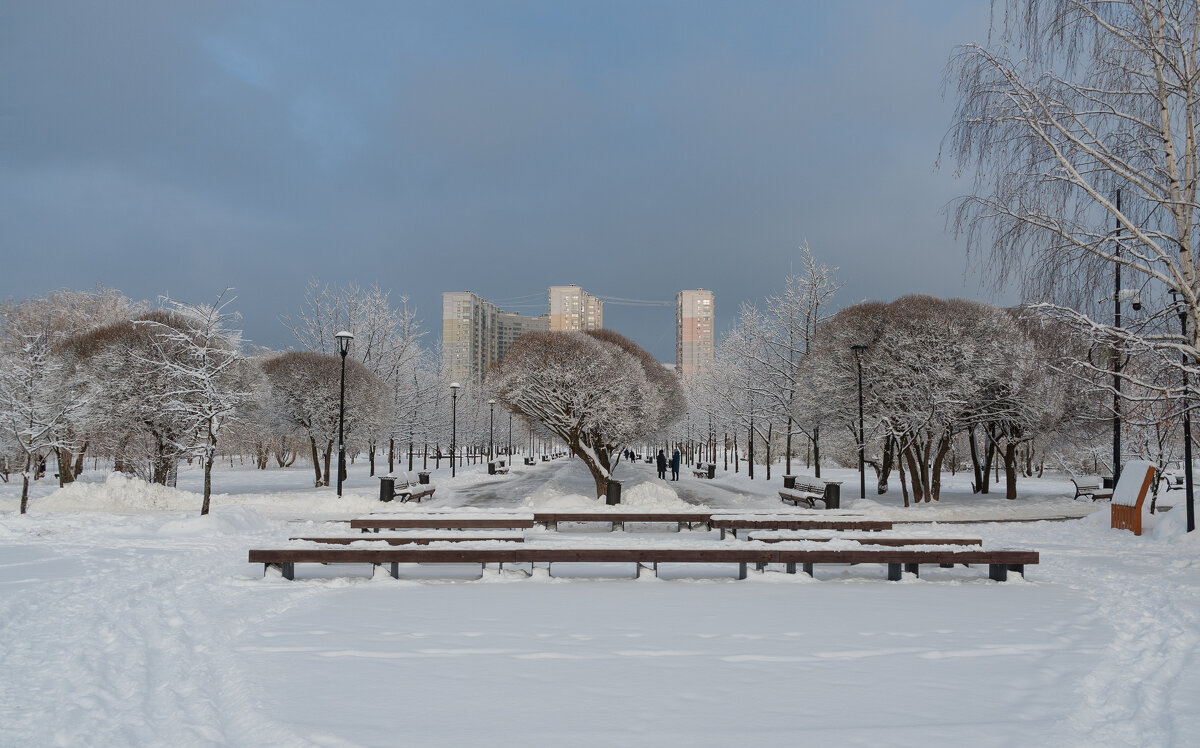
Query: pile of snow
x=228 y=520
x=118 y=493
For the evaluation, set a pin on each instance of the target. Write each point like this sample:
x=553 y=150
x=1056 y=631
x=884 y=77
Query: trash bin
x=423 y=478
x=545 y=458
x=789 y=481
x=612 y=493
x=833 y=495
x=1107 y=481
x=491 y=468
x=387 y=487
x=712 y=470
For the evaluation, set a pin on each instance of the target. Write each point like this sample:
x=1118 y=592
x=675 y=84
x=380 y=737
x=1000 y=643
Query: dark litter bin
x=423 y=478
x=387 y=488
x=545 y=458
x=1107 y=481
x=712 y=470
x=491 y=468
x=833 y=495
x=789 y=481
x=612 y=494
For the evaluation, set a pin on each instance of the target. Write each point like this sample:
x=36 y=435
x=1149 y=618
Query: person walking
x=662 y=465
x=675 y=457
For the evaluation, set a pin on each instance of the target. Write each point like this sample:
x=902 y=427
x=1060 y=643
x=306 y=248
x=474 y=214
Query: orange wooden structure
x=1127 y=506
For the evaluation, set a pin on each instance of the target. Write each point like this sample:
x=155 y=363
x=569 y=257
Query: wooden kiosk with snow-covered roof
x=1130 y=494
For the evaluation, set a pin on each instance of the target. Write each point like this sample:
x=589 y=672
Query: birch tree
x=1079 y=120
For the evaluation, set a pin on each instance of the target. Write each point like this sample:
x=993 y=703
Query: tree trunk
x=816 y=451
x=79 y=459
x=885 y=469
x=209 y=456
x=942 y=449
x=327 y=455
x=980 y=482
x=1010 y=471
x=316 y=460
x=25 y=483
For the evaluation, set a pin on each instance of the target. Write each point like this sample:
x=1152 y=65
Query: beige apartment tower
x=693 y=332
x=572 y=308
x=476 y=334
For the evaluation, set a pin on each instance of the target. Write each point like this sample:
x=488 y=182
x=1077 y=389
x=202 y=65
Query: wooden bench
x=377 y=522
x=1090 y=486
x=807 y=491
x=618 y=520
x=999 y=562
x=409 y=491
x=458 y=537
x=864 y=539
x=1130 y=494
x=734 y=523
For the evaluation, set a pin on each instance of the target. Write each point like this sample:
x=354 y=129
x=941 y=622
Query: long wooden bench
x=434 y=521
x=618 y=520
x=458 y=537
x=1089 y=486
x=999 y=562
x=864 y=539
x=734 y=523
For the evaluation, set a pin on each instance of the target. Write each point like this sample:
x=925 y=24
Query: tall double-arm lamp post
x=343 y=342
x=1187 y=418
x=453 y=424
x=862 y=436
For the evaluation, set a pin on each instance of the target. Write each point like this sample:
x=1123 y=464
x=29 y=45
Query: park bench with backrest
x=1000 y=562
x=461 y=536
x=807 y=490
x=866 y=538
x=1130 y=494
x=618 y=520
x=1090 y=486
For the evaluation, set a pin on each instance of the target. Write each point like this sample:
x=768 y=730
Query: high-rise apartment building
x=572 y=308
x=476 y=334
x=693 y=331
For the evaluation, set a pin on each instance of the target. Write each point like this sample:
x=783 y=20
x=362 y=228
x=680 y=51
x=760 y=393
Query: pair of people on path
x=662 y=465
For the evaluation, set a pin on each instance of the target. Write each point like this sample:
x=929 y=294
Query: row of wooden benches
x=550 y=521
x=999 y=562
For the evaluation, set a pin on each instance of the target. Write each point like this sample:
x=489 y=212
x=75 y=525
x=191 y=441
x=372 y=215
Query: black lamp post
x=862 y=436
x=453 y=424
x=1187 y=421
x=491 y=429
x=343 y=342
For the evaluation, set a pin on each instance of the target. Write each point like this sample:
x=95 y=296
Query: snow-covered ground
x=126 y=619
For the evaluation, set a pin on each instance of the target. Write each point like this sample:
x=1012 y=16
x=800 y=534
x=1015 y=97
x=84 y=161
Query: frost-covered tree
x=304 y=392
x=1080 y=120
x=36 y=409
x=597 y=391
x=210 y=380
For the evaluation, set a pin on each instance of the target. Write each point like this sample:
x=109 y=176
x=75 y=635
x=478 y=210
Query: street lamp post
x=491 y=430
x=862 y=436
x=1187 y=423
x=453 y=424
x=343 y=341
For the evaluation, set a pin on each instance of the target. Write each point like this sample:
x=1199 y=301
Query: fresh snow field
x=128 y=620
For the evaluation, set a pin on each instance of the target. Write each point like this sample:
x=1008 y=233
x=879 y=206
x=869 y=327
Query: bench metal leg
x=742 y=570
x=894 y=572
x=912 y=569
x=998 y=572
x=791 y=567
x=1017 y=569
x=808 y=569
x=760 y=567
x=287 y=569
x=946 y=566
x=394 y=570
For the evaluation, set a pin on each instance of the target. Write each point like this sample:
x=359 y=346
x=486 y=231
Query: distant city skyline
x=633 y=148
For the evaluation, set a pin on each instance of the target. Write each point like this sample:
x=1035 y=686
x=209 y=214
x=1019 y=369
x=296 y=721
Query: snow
x=130 y=620
x=1133 y=477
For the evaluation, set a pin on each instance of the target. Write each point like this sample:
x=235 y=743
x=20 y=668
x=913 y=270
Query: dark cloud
x=633 y=148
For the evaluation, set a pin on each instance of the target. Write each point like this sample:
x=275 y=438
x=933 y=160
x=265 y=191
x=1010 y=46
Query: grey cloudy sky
x=635 y=148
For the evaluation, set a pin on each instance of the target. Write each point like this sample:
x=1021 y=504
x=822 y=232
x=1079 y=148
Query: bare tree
x=596 y=390
x=1079 y=119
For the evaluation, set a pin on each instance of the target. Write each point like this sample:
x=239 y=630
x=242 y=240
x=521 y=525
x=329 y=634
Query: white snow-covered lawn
x=125 y=619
